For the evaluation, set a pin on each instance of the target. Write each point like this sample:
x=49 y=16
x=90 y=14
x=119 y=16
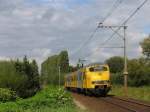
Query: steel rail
x=146 y=106
x=132 y=101
x=121 y=106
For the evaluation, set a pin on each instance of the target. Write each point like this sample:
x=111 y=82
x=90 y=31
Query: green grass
x=140 y=93
x=50 y=99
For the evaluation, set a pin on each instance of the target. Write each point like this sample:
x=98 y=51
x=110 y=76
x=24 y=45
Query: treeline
x=138 y=69
x=21 y=77
x=50 y=68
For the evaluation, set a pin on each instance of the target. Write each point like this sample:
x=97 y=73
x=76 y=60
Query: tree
x=116 y=64
x=49 y=68
x=35 y=75
x=139 y=73
x=35 y=68
x=145 y=44
x=29 y=70
x=64 y=61
x=20 y=76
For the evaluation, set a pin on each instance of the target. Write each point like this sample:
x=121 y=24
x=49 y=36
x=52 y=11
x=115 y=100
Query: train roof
x=97 y=63
x=91 y=64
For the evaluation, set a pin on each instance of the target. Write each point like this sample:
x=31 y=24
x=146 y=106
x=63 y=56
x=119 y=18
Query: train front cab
x=97 y=79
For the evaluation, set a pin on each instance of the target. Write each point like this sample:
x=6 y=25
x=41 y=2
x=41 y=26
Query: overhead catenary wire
x=137 y=9
x=85 y=42
x=113 y=8
x=116 y=31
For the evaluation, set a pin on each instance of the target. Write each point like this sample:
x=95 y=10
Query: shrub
x=117 y=78
x=51 y=98
x=139 y=73
x=7 y=95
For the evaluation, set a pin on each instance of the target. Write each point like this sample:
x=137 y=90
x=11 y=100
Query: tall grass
x=140 y=93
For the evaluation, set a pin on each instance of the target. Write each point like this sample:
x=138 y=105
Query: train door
x=79 y=79
x=83 y=78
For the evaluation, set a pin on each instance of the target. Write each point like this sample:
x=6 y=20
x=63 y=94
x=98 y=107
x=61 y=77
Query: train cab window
x=98 y=68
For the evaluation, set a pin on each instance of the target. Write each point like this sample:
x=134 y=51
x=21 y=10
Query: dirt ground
x=94 y=104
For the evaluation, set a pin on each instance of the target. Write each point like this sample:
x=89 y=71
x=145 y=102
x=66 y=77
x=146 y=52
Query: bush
x=7 y=95
x=117 y=78
x=139 y=73
x=51 y=98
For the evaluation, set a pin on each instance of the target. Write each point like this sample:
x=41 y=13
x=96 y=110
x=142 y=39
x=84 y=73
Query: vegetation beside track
x=140 y=93
x=50 y=99
x=19 y=78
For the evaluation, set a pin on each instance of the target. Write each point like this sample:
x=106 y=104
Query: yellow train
x=93 y=79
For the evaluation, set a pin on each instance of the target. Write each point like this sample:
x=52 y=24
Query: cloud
x=42 y=28
x=4 y=58
x=39 y=54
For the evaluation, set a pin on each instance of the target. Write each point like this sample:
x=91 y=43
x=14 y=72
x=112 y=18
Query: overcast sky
x=41 y=28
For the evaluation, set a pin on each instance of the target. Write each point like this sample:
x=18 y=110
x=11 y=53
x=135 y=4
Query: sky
x=41 y=28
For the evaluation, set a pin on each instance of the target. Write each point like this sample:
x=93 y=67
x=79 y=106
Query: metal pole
x=125 y=64
x=125 y=72
x=59 y=75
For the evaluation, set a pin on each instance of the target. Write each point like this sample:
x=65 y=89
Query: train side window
x=91 y=69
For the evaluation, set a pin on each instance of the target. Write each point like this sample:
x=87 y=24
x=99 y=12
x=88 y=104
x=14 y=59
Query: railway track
x=129 y=105
x=111 y=104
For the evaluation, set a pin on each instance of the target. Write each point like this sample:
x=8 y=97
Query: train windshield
x=97 y=69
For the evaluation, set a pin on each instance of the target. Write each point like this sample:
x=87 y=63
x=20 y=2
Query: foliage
x=73 y=68
x=116 y=64
x=7 y=95
x=50 y=99
x=139 y=73
x=117 y=78
x=145 y=44
x=138 y=69
x=9 y=78
x=49 y=69
x=63 y=61
x=141 y=93
x=20 y=76
x=30 y=70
